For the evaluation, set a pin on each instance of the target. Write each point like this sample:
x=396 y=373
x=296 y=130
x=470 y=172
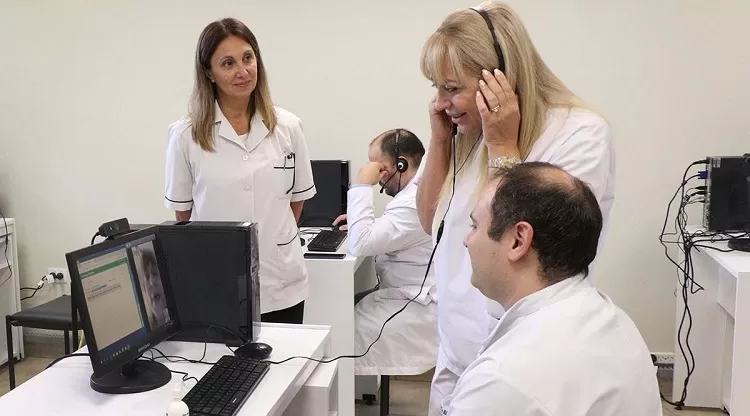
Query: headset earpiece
x=402 y=165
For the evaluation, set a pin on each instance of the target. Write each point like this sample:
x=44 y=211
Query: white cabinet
x=10 y=298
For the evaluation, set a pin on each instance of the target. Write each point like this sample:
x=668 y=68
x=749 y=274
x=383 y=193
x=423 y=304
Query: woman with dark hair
x=237 y=157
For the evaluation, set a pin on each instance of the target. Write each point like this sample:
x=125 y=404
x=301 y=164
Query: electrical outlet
x=64 y=271
x=664 y=358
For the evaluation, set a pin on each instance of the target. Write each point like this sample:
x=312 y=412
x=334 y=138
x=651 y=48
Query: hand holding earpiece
x=440 y=123
x=501 y=117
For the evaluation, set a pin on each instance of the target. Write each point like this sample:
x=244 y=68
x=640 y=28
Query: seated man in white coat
x=402 y=251
x=562 y=348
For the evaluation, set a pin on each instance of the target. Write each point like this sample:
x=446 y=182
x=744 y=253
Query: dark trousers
x=291 y=315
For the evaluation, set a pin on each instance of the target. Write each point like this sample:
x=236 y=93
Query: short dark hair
x=565 y=216
x=409 y=145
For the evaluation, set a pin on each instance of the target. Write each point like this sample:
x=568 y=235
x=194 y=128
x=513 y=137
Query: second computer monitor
x=331 y=179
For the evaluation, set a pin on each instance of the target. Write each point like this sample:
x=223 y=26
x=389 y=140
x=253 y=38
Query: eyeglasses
x=291 y=156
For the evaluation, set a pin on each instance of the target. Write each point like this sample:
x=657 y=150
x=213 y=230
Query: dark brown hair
x=565 y=217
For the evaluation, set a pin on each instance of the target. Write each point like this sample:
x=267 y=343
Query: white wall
x=87 y=90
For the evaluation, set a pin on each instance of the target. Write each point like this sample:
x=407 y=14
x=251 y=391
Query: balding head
x=560 y=208
x=543 y=172
x=409 y=146
x=383 y=150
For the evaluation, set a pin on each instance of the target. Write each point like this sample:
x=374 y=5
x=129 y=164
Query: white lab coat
x=401 y=250
x=578 y=141
x=253 y=179
x=566 y=350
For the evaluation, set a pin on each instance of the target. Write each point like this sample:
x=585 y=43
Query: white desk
x=720 y=337
x=331 y=302
x=64 y=388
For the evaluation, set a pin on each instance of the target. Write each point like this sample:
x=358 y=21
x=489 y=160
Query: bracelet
x=504 y=162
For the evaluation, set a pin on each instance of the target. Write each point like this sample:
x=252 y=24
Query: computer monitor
x=126 y=308
x=331 y=179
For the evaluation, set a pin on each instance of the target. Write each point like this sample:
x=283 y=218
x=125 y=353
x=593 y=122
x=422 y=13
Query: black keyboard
x=327 y=240
x=225 y=387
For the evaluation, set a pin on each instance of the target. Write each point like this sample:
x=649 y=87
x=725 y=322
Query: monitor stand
x=134 y=377
x=739 y=244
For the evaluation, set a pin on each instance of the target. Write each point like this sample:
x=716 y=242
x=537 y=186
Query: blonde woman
x=507 y=107
x=239 y=158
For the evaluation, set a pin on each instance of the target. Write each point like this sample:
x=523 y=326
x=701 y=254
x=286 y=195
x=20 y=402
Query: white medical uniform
x=577 y=141
x=249 y=178
x=566 y=350
x=402 y=250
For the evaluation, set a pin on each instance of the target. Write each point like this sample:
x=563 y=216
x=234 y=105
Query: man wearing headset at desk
x=402 y=250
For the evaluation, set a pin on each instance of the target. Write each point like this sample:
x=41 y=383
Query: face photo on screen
x=150 y=281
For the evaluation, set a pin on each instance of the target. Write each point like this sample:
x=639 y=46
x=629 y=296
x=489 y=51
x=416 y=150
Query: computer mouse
x=254 y=350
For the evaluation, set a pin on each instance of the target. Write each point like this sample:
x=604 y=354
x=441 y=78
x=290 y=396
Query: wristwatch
x=504 y=162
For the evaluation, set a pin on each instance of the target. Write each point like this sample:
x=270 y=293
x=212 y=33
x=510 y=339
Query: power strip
x=663 y=359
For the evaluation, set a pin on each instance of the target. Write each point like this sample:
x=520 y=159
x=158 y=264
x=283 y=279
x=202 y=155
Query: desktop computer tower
x=727 y=202
x=213 y=270
x=331 y=179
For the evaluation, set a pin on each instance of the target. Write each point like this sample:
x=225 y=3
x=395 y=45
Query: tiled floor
x=670 y=411
x=25 y=370
x=412 y=397
x=408 y=397
x=666 y=387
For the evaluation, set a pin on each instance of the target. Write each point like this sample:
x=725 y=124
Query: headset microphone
x=382 y=187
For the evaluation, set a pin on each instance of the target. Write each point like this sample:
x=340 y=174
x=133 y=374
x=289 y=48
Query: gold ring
x=495 y=109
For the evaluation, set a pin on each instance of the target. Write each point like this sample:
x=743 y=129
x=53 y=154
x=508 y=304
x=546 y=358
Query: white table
x=720 y=337
x=331 y=302
x=64 y=388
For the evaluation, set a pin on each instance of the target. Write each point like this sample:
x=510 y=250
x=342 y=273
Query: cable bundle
x=686 y=242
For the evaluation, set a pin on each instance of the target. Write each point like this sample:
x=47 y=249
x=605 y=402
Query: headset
x=496 y=44
x=402 y=165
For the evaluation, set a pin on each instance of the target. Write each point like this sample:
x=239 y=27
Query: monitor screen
x=331 y=179
x=123 y=296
